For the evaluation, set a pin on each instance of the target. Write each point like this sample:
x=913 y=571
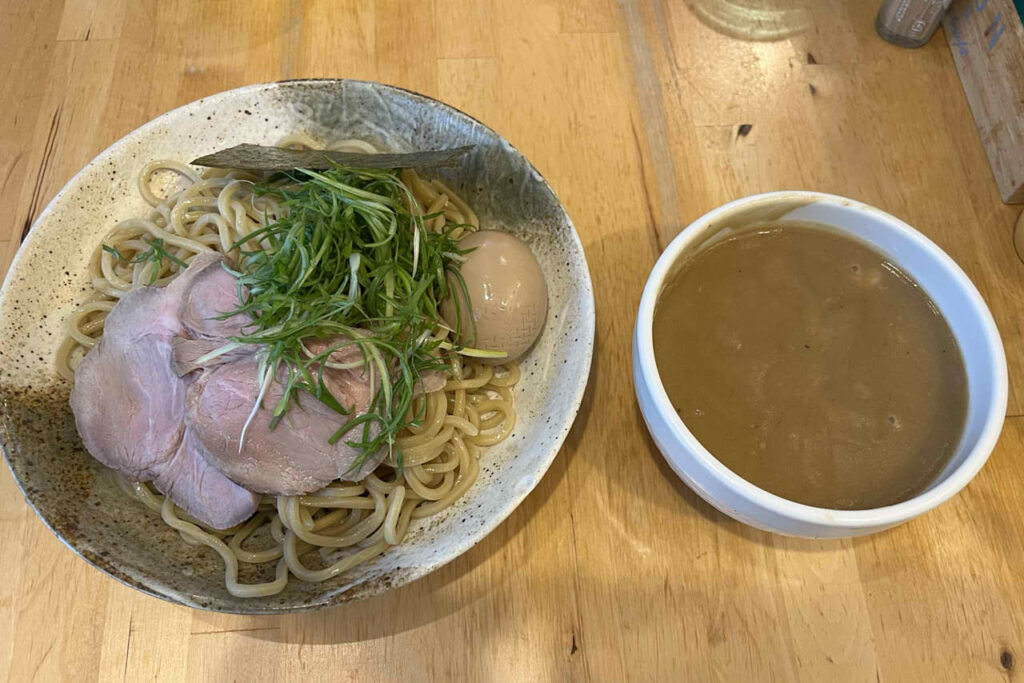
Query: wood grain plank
x=406 y=44
x=68 y=592
x=473 y=85
x=588 y=16
x=944 y=590
x=466 y=29
x=642 y=116
x=153 y=635
x=987 y=43
x=59 y=610
x=533 y=87
x=14 y=516
x=820 y=585
x=91 y=20
x=337 y=39
x=28 y=44
x=117 y=630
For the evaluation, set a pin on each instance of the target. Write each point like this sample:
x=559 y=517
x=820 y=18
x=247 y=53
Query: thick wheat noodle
x=346 y=523
x=465 y=214
x=82 y=332
x=417 y=481
x=253 y=557
x=479 y=379
x=169 y=515
x=439 y=465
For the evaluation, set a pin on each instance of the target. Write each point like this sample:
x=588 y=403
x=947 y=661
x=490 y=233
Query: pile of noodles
x=320 y=535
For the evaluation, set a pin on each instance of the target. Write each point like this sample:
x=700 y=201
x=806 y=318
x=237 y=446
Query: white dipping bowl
x=946 y=284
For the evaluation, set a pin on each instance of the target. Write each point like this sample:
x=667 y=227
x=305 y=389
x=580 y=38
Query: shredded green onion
x=347 y=257
x=155 y=254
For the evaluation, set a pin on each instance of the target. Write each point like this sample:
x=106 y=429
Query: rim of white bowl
x=890 y=514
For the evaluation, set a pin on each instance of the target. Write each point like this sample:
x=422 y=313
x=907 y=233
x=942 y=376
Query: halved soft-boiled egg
x=508 y=298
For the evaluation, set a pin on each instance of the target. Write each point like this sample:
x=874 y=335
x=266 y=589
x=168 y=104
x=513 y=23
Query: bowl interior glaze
x=80 y=501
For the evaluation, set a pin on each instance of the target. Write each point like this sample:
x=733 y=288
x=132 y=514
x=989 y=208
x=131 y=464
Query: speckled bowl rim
x=543 y=462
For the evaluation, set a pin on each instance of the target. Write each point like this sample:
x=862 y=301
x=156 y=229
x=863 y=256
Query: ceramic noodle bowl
x=82 y=502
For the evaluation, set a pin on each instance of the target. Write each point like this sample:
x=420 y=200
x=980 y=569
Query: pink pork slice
x=293 y=458
x=296 y=456
x=129 y=405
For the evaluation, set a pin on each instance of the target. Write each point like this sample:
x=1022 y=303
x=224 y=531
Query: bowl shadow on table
x=431 y=598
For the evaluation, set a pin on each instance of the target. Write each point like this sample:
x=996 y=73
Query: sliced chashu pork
x=295 y=457
x=206 y=325
x=342 y=384
x=129 y=406
x=188 y=445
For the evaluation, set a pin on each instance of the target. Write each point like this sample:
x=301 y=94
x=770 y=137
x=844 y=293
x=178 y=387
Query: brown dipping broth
x=812 y=367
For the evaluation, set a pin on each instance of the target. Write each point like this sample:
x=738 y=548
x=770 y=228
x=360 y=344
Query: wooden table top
x=643 y=116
